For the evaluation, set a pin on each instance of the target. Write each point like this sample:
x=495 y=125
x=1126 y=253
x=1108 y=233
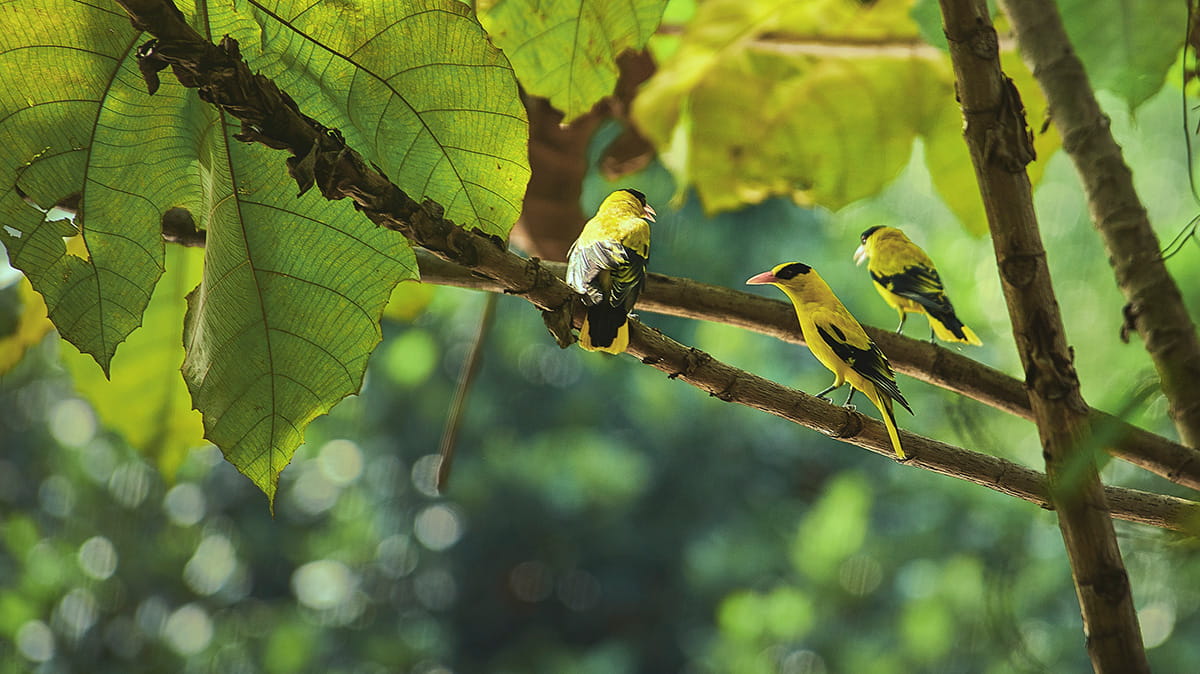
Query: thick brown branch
x=917 y=358
x=273 y=119
x=1153 y=300
x=1001 y=145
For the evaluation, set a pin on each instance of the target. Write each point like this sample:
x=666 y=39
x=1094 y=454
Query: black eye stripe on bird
x=838 y=341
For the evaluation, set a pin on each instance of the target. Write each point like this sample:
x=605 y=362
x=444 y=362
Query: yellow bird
x=607 y=265
x=907 y=280
x=838 y=341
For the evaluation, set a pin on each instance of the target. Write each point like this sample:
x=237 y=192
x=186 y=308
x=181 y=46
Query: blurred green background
x=601 y=517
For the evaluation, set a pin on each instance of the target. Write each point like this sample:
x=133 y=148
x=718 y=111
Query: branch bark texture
x=273 y=119
x=919 y=359
x=1154 y=304
x=1001 y=145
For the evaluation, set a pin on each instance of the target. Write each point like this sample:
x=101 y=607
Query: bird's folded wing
x=920 y=284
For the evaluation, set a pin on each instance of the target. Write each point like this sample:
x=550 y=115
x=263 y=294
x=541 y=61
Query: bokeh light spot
x=35 y=641
x=130 y=484
x=323 y=584
x=98 y=557
x=313 y=493
x=75 y=614
x=424 y=474
x=1157 y=621
x=438 y=527
x=341 y=461
x=409 y=358
x=185 y=504
x=211 y=565
x=860 y=575
x=72 y=422
x=396 y=555
x=188 y=629
x=56 y=496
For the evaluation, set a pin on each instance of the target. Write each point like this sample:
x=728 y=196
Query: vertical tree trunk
x=1001 y=145
x=1154 y=304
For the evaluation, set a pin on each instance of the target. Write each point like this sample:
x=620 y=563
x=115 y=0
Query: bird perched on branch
x=838 y=341
x=907 y=280
x=607 y=265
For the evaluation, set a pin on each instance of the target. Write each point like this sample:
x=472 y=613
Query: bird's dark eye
x=637 y=195
x=867 y=234
x=791 y=270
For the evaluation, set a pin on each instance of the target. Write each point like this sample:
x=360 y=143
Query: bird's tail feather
x=604 y=334
x=884 y=404
x=948 y=328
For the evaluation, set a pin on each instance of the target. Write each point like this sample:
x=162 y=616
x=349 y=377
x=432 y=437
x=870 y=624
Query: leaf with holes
x=288 y=308
x=414 y=86
x=566 y=50
x=76 y=125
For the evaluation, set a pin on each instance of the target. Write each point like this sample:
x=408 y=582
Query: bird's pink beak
x=860 y=255
x=761 y=279
x=650 y=213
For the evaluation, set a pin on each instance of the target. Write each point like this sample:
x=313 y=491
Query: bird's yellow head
x=629 y=202
x=870 y=238
x=788 y=271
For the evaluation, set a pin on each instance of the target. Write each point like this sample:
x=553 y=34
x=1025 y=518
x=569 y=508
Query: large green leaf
x=74 y=122
x=414 y=85
x=1127 y=46
x=146 y=400
x=818 y=101
x=288 y=310
x=566 y=50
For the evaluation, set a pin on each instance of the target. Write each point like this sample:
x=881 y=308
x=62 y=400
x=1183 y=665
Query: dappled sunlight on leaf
x=566 y=50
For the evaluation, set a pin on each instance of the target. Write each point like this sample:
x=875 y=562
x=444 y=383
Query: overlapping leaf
x=288 y=310
x=819 y=101
x=566 y=50
x=146 y=400
x=73 y=124
x=414 y=85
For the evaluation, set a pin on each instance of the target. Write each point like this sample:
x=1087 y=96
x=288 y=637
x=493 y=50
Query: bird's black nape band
x=867 y=234
x=792 y=270
x=638 y=195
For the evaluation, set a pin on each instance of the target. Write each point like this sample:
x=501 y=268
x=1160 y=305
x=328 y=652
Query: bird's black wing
x=920 y=284
x=869 y=362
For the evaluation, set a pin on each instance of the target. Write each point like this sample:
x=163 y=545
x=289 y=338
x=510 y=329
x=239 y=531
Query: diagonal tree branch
x=1154 y=304
x=1001 y=145
x=272 y=118
x=917 y=358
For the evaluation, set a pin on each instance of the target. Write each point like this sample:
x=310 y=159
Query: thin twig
x=466 y=376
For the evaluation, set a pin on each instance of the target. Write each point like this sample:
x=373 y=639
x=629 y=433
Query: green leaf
x=749 y=108
x=566 y=50
x=414 y=85
x=1127 y=46
x=74 y=123
x=288 y=312
x=817 y=101
x=146 y=400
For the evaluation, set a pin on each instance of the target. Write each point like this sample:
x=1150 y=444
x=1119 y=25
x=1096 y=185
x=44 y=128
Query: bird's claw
x=852 y=408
